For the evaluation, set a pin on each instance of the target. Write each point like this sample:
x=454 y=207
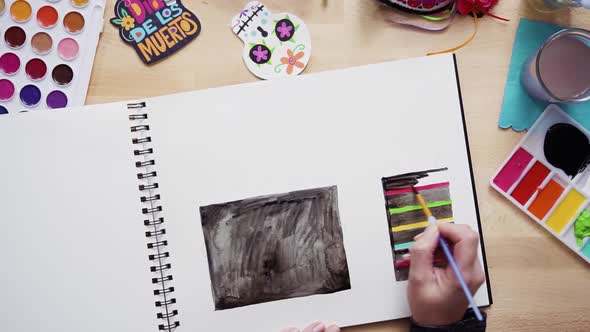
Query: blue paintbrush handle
x=455 y=268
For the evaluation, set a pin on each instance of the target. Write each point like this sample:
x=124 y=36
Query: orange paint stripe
x=546 y=199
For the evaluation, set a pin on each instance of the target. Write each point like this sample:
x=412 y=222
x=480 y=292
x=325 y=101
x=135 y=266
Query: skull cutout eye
x=260 y=54
x=285 y=29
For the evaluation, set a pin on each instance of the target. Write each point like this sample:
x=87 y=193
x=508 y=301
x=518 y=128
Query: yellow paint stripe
x=565 y=211
x=420 y=224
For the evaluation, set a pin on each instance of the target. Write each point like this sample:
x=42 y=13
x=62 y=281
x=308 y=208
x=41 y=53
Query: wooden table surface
x=537 y=284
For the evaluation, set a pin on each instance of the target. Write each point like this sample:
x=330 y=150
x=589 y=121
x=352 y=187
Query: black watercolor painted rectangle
x=275 y=247
x=406 y=180
x=408 y=199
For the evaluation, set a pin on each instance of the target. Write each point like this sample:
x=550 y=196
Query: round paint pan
x=62 y=75
x=79 y=3
x=9 y=63
x=68 y=49
x=21 y=11
x=30 y=95
x=74 y=22
x=36 y=69
x=7 y=90
x=41 y=43
x=3 y=109
x=15 y=37
x=47 y=17
x=56 y=99
x=2 y=6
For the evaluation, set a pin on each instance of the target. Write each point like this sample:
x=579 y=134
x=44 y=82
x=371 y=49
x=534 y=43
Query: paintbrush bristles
x=422 y=203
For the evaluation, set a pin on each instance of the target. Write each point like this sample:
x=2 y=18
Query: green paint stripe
x=418 y=207
x=403 y=246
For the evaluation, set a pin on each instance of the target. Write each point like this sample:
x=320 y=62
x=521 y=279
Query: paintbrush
x=451 y=260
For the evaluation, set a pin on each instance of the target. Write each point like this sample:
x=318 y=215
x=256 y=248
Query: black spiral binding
x=155 y=232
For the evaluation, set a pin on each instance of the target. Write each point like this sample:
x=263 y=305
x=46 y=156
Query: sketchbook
x=250 y=207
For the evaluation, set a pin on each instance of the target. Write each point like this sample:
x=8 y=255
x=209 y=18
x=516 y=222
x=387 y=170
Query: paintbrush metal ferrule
x=432 y=220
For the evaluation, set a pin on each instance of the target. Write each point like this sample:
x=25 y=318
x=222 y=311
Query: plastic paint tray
x=544 y=192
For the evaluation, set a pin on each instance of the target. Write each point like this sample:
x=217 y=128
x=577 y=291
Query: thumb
x=422 y=253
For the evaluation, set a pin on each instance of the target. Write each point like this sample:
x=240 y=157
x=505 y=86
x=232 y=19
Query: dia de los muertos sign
x=155 y=28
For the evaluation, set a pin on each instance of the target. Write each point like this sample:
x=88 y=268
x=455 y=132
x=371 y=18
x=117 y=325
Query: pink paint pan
x=9 y=63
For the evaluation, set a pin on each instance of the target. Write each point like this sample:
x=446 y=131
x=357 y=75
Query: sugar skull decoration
x=275 y=45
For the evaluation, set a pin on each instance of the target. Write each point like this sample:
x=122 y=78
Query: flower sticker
x=260 y=54
x=128 y=23
x=292 y=60
x=284 y=29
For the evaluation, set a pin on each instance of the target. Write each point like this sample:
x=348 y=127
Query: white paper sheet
x=73 y=247
x=347 y=128
x=73 y=241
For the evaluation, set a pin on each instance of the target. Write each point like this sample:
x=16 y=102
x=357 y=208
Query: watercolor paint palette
x=47 y=50
x=405 y=216
x=546 y=176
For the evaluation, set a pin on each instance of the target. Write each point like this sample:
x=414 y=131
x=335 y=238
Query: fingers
x=422 y=254
x=477 y=279
x=290 y=329
x=332 y=328
x=465 y=249
x=315 y=327
x=464 y=242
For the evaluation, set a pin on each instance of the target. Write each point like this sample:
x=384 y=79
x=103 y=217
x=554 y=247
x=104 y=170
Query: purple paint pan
x=56 y=99
x=30 y=95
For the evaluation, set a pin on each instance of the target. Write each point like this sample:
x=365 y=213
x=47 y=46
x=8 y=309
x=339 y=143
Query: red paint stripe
x=409 y=189
x=530 y=183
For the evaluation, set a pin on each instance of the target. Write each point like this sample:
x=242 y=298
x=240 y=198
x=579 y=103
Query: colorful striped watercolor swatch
x=404 y=214
x=548 y=172
x=530 y=183
x=546 y=199
x=418 y=207
x=403 y=246
x=421 y=224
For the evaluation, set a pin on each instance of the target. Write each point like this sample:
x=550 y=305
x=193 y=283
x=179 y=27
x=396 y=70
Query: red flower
x=468 y=6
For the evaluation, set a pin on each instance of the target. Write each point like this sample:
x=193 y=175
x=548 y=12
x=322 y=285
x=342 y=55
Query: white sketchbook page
x=347 y=128
x=73 y=246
